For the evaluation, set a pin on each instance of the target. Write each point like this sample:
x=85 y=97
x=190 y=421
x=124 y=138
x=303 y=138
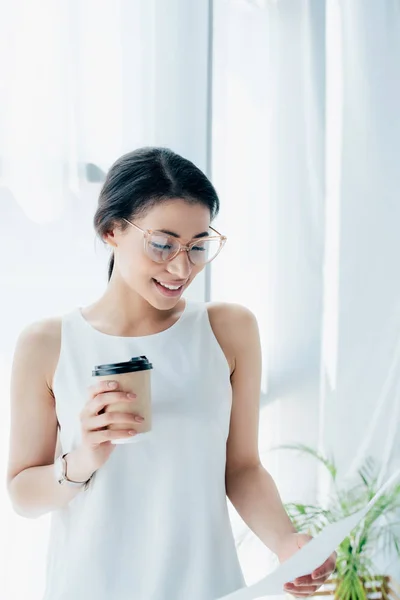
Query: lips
x=166 y=292
x=176 y=284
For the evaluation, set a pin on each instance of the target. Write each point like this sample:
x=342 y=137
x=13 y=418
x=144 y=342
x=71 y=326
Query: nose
x=180 y=266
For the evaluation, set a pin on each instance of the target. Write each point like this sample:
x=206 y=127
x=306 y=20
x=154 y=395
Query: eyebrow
x=199 y=235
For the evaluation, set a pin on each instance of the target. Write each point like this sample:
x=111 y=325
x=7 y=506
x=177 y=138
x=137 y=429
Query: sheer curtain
x=361 y=377
x=306 y=144
x=82 y=83
x=268 y=163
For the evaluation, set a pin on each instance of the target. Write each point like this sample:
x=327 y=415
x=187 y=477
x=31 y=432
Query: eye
x=159 y=246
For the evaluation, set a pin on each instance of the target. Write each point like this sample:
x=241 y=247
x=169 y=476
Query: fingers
x=297 y=594
x=301 y=592
x=109 y=425
x=308 y=580
x=112 y=418
x=107 y=435
x=102 y=400
x=100 y=396
x=327 y=568
x=105 y=385
x=305 y=586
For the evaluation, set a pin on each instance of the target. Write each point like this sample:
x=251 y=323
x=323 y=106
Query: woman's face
x=140 y=272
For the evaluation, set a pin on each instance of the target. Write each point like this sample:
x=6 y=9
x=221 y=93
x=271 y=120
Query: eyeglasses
x=161 y=247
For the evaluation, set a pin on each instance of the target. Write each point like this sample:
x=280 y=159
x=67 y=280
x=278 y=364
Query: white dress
x=154 y=524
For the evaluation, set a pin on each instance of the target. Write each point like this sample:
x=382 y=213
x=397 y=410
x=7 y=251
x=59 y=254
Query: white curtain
x=306 y=147
x=360 y=385
x=82 y=83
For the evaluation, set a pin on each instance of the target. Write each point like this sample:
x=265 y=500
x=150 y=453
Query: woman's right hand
x=96 y=446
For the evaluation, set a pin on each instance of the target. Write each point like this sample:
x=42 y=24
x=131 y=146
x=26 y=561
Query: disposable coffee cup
x=133 y=376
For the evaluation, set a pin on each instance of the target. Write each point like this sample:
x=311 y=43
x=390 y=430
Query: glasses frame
x=148 y=232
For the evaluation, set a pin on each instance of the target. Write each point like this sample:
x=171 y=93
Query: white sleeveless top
x=154 y=523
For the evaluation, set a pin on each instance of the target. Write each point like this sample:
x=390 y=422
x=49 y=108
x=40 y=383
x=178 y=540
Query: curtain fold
x=268 y=164
x=306 y=146
x=82 y=83
x=361 y=404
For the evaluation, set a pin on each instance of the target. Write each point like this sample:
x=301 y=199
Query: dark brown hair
x=142 y=178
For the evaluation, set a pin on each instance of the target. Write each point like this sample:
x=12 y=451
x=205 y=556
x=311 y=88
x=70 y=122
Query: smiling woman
x=157 y=176
x=204 y=396
x=157 y=223
x=154 y=211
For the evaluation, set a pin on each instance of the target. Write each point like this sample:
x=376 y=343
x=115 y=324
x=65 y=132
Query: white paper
x=309 y=557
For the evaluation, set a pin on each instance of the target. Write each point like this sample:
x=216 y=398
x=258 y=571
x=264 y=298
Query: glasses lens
x=161 y=247
x=204 y=251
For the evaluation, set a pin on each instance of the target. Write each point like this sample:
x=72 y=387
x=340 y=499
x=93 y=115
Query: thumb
x=303 y=539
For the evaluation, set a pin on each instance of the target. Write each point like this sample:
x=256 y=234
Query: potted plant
x=355 y=577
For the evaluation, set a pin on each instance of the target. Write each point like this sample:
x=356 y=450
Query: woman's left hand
x=308 y=584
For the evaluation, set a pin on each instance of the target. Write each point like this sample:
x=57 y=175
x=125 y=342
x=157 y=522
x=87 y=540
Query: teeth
x=170 y=287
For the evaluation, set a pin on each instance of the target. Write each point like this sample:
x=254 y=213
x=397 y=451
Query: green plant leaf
x=304 y=449
x=378 y=528
x=369 y=474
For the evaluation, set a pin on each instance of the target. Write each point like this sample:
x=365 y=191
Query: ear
x=109 y=238
x=112 y=235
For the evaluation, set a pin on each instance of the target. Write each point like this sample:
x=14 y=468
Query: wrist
x=279 y=543
x=291 y=543
x=78 y=469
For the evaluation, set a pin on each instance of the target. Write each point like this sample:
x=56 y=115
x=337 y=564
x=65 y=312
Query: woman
x=147 y=520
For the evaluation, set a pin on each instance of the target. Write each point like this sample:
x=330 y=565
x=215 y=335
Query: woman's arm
x=31 y=479
x=250 y=488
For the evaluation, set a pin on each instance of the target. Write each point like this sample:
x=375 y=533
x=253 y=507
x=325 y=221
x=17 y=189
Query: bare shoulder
x=39 y=345
x=44 y=334
x=33 y=431
x=232 y=324
x=230 y=312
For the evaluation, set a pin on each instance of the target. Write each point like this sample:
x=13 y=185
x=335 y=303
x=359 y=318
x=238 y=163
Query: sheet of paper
x=310 y=556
